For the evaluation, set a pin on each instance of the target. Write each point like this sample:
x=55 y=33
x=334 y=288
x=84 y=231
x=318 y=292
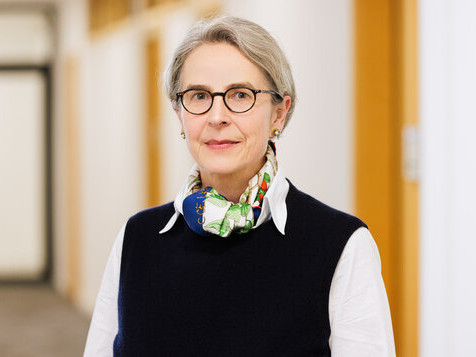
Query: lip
x=221 y=144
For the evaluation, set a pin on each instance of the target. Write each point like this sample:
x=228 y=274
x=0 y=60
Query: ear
x=281 y=110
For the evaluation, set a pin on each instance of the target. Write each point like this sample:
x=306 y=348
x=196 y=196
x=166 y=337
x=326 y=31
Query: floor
x=36 y=321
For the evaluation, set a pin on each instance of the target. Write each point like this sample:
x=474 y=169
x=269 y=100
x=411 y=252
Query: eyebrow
x=208 y=88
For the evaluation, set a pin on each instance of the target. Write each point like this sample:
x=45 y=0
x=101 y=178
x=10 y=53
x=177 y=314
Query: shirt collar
x=274 y=204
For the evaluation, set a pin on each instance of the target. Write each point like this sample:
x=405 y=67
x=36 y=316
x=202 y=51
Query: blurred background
x=383 y=128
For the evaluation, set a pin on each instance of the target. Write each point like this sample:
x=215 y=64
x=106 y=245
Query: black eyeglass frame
x=222 y=94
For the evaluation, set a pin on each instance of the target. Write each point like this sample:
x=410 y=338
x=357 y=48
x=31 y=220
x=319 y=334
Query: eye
x=240 y=94
x=199 y=95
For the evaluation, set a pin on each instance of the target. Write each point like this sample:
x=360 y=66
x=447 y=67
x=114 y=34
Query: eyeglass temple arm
x=269 y=91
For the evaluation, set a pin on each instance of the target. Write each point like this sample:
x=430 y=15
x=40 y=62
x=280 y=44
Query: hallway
x=35 y=321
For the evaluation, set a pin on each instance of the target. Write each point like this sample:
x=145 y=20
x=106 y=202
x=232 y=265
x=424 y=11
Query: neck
x=230 y=185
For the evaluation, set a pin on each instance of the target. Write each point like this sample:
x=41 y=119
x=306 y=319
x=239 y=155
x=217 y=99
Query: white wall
x=111 y=115
x=112 y=147
x=71 y=25
x=316 y=149
x=177 y=161
x=448 y=193
x=25 y=37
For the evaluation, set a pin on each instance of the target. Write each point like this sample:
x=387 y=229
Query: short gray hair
x=251 y=39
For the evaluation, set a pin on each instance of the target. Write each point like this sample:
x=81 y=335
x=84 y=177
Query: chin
x=220 y=168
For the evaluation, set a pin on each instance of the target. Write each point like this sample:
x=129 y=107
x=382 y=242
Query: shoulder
x=143 y=227
x=304 y=207
x=155 y=215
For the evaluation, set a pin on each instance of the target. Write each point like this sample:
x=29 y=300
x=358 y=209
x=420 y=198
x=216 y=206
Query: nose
x=218 y=113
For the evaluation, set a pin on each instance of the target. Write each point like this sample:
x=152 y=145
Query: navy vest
x=257 y=294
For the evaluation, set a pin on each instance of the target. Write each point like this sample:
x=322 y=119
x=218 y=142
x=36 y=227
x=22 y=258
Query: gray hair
x=251 y=39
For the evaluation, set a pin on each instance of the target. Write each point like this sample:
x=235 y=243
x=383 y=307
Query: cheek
x=262 y=129
x=192 y=128
x=258 y=133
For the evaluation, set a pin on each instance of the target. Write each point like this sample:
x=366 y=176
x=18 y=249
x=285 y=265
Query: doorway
x=25 y=144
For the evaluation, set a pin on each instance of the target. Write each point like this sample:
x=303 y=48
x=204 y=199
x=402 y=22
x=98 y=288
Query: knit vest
x=257 y=294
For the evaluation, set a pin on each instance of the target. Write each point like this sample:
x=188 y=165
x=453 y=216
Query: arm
x=104 y=323
x=359 y=313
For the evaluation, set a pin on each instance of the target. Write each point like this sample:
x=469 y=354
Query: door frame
x=45 y=72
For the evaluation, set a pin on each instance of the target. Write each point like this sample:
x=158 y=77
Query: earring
x=276 y=133
x=182 y=134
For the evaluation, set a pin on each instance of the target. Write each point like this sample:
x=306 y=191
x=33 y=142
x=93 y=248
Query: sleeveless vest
x=257 y=294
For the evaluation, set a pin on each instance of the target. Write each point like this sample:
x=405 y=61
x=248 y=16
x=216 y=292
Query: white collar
x=274 y=204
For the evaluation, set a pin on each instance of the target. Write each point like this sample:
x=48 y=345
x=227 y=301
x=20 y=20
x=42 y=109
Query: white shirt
x=359 y=313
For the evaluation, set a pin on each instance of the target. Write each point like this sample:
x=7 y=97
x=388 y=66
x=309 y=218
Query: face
x=221 y=142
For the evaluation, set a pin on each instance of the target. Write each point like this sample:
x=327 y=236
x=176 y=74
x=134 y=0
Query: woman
x=241 y=263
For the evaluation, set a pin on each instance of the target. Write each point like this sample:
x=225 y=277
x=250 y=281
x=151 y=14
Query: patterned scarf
x=207 y=212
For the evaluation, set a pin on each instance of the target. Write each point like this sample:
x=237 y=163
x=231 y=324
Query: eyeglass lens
x=199 y=101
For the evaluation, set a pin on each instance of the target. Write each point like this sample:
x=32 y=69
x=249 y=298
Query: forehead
x=217 y=65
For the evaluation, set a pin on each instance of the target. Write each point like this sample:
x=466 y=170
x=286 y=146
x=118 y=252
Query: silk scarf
x=207 y=212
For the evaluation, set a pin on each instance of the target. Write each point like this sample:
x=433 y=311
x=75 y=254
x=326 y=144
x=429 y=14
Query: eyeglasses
x=236 y=99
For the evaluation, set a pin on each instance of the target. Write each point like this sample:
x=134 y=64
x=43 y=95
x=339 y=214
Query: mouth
x=221 y=144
